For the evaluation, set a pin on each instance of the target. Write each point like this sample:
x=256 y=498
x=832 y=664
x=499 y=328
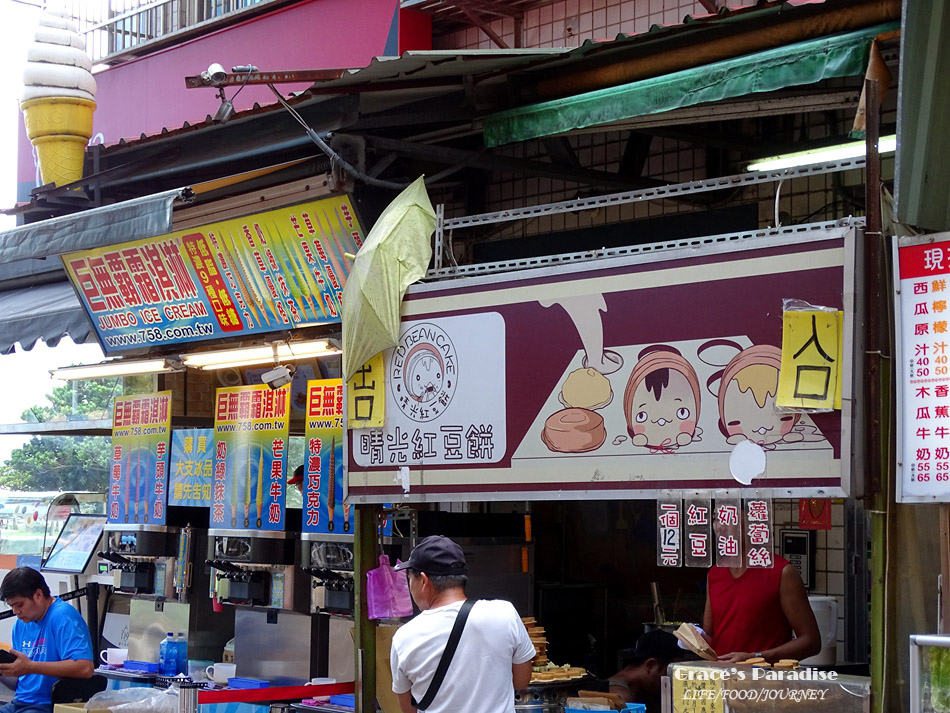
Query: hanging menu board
x=251 y=429
x=261 y=273
x=923 y=358
x=324 y=510
x=139 y=476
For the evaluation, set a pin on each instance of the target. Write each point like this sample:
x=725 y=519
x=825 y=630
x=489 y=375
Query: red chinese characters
x=212 y=282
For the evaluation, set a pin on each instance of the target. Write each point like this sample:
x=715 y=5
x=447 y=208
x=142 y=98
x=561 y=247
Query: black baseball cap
x=655 y=644
x=436 y=555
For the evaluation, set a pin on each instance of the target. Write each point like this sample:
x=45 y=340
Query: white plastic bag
x=135 y=700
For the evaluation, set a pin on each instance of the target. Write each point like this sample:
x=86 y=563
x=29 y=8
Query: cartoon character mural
x=661 y=402
x=746 y=395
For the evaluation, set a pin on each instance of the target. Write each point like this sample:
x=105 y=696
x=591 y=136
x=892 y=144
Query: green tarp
x=843 y=55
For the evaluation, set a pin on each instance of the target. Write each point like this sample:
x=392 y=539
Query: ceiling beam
x=505 y=164
x=560 y=150
x=635 y=154
x=484 y=27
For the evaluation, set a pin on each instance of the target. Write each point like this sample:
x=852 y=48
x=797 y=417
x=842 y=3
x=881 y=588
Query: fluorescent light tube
x=841 y=152
x=112 y=368
x=249 y=356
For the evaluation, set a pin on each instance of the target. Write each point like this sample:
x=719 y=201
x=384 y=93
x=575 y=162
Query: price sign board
x=758 y=532
x=727 y=525
x=669 y=519
x=923 y=358
x=697 y=521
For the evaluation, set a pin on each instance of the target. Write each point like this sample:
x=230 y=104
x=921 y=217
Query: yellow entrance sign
x=810 y=377
x=366 y=395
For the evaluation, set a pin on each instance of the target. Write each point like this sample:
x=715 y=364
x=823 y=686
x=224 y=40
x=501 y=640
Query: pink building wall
x=148 y=94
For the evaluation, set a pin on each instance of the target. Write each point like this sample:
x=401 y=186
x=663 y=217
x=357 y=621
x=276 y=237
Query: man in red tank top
x=754 y=611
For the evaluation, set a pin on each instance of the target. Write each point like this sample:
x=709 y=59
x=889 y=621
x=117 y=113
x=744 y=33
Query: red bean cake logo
x=424 y=372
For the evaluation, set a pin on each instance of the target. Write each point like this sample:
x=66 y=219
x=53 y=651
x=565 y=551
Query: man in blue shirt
x=50 y=641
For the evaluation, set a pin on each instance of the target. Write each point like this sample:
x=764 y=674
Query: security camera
x=216 y=73
x=278 y=376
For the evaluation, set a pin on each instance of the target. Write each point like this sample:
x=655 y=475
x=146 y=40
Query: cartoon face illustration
x=661 y=401
x=424 y=373
x=747 y=399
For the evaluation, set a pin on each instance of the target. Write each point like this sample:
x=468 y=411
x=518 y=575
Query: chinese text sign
x=260 y=273
x=251 y=428
x=924 y=371
x=138 y=477
x=324 y=510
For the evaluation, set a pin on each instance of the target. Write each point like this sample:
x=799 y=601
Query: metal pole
x=914 y=676
x=367 y=517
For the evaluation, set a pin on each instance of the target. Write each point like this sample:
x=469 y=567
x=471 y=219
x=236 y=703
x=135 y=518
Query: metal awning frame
x=675 y=190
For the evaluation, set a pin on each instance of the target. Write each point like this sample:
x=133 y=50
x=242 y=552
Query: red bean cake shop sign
x=622 y=377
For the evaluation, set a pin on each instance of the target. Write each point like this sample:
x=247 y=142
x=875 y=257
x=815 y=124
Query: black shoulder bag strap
x=447 y=656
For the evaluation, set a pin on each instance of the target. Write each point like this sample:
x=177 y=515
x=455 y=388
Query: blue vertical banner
x=191 y=468
x=251 y=429
x=138 y=481
x=323 y=494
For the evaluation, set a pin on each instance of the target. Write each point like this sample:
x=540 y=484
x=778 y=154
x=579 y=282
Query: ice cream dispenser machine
x=257 y=569
x=146 y=560
x=330 y=561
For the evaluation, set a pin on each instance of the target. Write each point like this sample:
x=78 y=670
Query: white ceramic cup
x=221 y=672
x=114 y=657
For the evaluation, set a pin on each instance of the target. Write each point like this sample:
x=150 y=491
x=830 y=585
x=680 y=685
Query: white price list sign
x=924 y=368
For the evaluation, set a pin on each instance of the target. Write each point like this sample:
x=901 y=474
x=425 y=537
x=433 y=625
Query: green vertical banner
x=324 y=510
x=138 y=482
x=251 y=429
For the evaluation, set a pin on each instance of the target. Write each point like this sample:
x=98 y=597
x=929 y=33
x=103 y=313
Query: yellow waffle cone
x=59 y=128
x=61 y=157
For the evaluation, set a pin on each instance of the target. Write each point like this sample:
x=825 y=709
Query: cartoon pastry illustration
x=747 y=399
x=574 y=430
x=586 y=388
x=585 y=312
x=661 y=401
x=424 y=373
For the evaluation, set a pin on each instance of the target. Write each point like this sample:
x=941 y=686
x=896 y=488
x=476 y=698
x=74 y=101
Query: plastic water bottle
x=168 y=656
x=181 y=645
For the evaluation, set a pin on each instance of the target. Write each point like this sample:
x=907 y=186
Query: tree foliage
x=58 y=463
x=67 y=462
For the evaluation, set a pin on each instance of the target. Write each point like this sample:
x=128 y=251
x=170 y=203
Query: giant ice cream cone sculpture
x=57 y=101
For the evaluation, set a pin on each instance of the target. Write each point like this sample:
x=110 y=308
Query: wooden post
x=943 y=616
x=367 y=517
x=876 y=484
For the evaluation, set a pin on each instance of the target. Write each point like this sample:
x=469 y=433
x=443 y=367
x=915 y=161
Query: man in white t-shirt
x=494 y=653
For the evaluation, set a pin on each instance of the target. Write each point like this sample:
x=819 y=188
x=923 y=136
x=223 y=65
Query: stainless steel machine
x=143 y=558
x=276 y=638
x=329 y=559
x=154 y=567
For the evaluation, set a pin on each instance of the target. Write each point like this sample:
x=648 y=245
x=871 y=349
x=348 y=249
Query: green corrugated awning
x=843 y=55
